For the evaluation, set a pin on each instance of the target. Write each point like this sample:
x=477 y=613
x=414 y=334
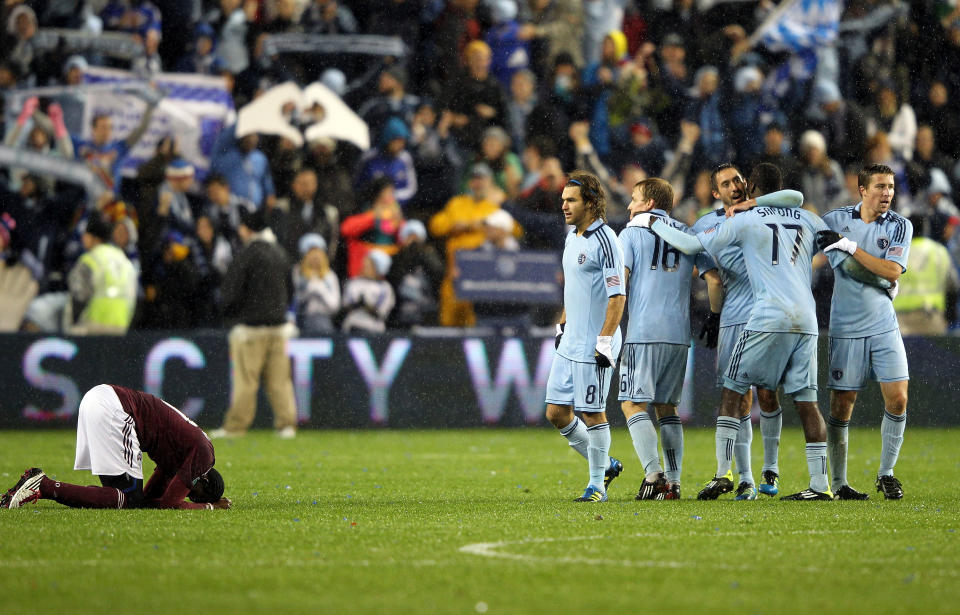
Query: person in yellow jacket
x=922 y=298
x=103 y=285
x=461 y=223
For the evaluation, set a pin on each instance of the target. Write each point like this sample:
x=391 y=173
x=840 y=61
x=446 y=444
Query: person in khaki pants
x=256 y=292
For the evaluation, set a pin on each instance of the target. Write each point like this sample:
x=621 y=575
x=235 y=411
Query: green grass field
x=481 y=521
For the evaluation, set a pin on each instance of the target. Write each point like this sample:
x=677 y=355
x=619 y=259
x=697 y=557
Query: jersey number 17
x=775 y=256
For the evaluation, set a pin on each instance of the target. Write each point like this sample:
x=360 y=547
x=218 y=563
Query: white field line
x=494 y=550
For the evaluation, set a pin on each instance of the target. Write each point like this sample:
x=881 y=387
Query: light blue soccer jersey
x=658 y=293
x=858 y=309
x=592 y=273
x=777 y=245
x=737 y=292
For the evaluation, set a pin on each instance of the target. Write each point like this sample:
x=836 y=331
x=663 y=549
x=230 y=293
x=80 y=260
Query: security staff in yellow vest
x=930 y=276
x=103 y=285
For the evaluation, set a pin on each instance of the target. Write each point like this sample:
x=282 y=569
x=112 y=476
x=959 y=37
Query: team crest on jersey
x=882 y=243
x=581 y=259
x=837 y=374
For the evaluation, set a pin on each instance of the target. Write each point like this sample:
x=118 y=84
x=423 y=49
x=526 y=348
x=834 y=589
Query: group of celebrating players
x=755 y=255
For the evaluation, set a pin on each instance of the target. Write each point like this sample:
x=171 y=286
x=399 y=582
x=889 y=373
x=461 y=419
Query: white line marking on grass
x=493 y=550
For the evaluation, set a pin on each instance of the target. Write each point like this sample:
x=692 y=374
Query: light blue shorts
x=880 y=357
x=726 y=342
x=581 y=385
x=652 y=373
x=770 y=360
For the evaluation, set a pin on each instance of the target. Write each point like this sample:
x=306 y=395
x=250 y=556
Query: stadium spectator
x=536 y=209
x=926 y=285
x=374 y=229
x=225 y=208
x=173 y=287
x=46 y=134
x=495 y=153
x=328 y=17
x=105 y=155
x=306 y=213
x=115 y=425
x=509 y=48
x=22 y=25
x=416 y=275
x=246 y=168
x=202 y=59
x=316 y=289
x=17 y=285
x=474 y=98
x=842 y=122
x=460 y=223
x=256 y=292
x=392 y=100
x=821 y=179
x=368 y=298
x=776 y=152
x=521 y=102
x=230 y=21
x=391 y=159
x=103 y=285
x=894 y=117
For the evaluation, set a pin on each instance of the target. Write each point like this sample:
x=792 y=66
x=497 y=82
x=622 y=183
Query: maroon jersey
x=172 y=441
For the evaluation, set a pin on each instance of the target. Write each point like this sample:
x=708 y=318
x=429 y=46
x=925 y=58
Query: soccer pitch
x=481 y=521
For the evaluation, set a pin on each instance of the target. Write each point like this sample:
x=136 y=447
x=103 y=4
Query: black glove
x=556 y=341
x=827 y=238
x=711 y=330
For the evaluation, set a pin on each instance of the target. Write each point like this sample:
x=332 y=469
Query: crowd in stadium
x=473 y=130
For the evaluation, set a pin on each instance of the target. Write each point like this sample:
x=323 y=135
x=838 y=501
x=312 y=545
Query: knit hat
x=619 y=42
x=98 y=226
x=334 y=79
x=395 y=128
x=503 y=11
x=397 y=72
x=178 y=168
x=413 y=227
x=310 y=241
x=75 y=61
x=813 y=139
x=177 y=244
x=381 y=261
x=500 y=219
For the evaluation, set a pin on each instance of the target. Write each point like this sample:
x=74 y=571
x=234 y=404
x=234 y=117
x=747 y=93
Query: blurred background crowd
x=473 y=122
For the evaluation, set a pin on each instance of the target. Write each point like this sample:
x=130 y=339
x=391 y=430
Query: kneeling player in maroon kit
x=115 y=426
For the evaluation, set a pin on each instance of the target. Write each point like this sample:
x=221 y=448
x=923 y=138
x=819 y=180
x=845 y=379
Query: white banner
x=194 y=109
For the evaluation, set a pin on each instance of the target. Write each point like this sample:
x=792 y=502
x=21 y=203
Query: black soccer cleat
x=612 y=472
x=890 y=487
x=25 y=491
x=672 y=492
x=849 y=493
x=717 y=486
x=653 y=490
x=809 y=494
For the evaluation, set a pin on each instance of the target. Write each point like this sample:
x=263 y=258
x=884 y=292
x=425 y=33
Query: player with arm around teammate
x=588 y=334
x=654 y=358
x=723 y=329
x=115 y=426
x=778 y=345
x=864 y=335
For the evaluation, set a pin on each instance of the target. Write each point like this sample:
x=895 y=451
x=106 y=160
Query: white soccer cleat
x=287 y=433
x=25 y=491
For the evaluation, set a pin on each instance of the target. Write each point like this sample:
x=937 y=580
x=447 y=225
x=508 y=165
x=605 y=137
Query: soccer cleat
x=612 y=472
x=717 y=486
x=849 y=493
x=672 y=492
x=653 y=490
x=592 y=494
x=25 y=491
x=746 y=491
x=890 y=487
x=770 y=484
x=809 y=494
